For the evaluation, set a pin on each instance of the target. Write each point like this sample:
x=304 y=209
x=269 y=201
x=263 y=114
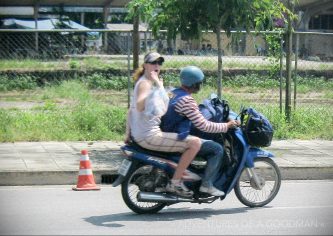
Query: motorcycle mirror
x=213 y=95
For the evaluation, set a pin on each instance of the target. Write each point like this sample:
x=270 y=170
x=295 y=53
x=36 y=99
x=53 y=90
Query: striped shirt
x=187 y=106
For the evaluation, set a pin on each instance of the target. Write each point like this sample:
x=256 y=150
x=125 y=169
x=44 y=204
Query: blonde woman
x=145 y=130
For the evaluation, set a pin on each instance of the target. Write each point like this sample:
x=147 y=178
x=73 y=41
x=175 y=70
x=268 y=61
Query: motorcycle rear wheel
x=270 y=181
x=130 y=190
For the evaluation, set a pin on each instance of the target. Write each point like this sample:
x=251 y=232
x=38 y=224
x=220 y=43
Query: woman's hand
x=154 y=77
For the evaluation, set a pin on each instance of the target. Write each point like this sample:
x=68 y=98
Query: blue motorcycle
x=248 y=170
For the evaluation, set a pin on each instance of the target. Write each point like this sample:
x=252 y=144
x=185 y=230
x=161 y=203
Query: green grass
x=94 y=106
x=211 y=64
x=79 y=64
x=308 y=121
x=73 y=111
x=31 y=64
x=175 y=62
x=68 y=90
x=88 y=120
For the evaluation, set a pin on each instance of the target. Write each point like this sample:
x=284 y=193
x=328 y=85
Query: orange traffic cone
x=86 y=179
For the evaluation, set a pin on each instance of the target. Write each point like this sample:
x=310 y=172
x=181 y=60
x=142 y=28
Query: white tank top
x=141 y=125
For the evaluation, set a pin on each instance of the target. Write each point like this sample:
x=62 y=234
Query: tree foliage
x=191 y=17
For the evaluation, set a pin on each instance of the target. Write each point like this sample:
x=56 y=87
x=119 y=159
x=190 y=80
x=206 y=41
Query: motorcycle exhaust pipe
x=161 y=197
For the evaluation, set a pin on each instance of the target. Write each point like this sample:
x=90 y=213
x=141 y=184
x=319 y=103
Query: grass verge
x=72 y=111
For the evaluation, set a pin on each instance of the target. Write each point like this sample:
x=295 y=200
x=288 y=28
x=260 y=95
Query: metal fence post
x=128 y=70
x=105 y=42
x=295 y=69
x=145 y=42
x=220 y=62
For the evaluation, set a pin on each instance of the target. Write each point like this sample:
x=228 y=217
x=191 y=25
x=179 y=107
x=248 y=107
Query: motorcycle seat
x=197 y=163
x=133 y=146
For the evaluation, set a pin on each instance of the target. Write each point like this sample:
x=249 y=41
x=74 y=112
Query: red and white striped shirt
x=188 y=107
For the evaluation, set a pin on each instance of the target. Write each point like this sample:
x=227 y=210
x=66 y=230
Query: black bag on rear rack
x=256 y=128
x=215 y=110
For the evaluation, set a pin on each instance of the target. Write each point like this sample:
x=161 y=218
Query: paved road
x=301 y=207
x=39 y=163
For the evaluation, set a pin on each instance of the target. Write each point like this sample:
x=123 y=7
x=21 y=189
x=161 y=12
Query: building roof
x=87 y=3
x=125 y=27
x=46 y=24
x=300 y=4
x=305 y=3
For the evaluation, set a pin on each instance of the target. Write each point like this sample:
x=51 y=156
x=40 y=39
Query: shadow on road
x=165 y=215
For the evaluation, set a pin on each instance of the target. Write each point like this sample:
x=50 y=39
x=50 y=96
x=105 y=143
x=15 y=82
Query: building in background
x=314 y=16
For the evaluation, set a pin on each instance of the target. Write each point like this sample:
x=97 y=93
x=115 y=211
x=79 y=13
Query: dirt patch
x=28 y=105
x=19 y=105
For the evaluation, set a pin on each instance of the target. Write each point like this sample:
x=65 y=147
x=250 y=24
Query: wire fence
x=104 y=56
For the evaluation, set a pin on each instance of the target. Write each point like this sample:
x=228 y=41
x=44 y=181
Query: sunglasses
x=156 y=62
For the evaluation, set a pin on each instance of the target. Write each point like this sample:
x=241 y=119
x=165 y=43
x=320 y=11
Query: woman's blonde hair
x=138 y=73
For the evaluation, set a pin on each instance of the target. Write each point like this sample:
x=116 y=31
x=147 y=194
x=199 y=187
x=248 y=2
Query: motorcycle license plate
x=124 y=167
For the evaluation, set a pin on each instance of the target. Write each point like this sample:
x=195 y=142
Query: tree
x=158 y=15
x=191 y=17
x=289 y=31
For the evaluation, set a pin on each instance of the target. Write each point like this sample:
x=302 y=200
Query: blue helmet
x=191 y=75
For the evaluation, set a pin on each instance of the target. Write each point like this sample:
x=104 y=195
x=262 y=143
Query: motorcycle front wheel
x=258 y=194
x=139 y=177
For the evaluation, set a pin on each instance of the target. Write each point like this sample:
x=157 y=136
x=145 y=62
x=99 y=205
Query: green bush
x=99 y=81
x=17 y=83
